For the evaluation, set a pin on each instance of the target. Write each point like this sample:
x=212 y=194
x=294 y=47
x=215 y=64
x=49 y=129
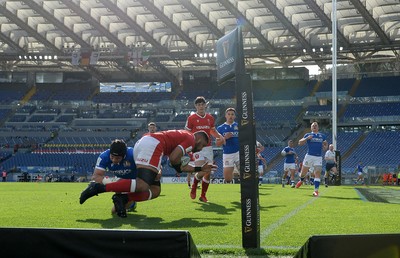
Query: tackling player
x=148 y=154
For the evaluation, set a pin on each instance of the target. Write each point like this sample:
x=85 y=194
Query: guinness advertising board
x=248 y=165
x=227 y=48
x=230 y=64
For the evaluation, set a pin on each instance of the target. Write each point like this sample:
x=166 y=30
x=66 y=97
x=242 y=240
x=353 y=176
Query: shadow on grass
x=256 y=252
x=340 y=198
x=140 y=221
x=262 y=208
x=266 y=187
x=216 y=208
x=266 y=208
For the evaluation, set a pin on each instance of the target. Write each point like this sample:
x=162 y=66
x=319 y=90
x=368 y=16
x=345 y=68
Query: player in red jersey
x=202 y=121
x=148 y=153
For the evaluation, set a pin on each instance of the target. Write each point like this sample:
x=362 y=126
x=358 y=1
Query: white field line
x=265 y=233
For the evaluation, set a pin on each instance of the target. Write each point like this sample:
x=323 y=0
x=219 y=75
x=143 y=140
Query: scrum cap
x=118 y=148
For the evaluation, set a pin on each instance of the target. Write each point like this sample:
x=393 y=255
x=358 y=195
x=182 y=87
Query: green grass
x=288 y=217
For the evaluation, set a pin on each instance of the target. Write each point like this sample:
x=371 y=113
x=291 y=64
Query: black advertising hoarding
x=227 y=50
x=247 y=141
x=230 y=64
x=248 y=166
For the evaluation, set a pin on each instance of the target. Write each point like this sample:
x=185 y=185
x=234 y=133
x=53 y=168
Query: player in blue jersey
x=118 y=160
x=360 y=173
x=289 y=164
x=261 y=161
x=230 y=131
x=316 y=142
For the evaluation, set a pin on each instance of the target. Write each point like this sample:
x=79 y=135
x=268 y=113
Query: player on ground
x=202 y=121
x=330 y=166
x=118 y=160
x=316 y=142
x=289 y=164
x=148 y=153
x=230 y=131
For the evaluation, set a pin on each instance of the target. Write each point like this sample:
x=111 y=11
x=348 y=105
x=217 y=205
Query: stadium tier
x=282 y=111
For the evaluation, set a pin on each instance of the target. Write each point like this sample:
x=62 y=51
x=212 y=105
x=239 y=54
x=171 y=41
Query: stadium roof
x=180 y=34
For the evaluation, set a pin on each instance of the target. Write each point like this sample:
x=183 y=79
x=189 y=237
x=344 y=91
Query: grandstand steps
x=28 y=95
x=352 y=91
x=316 y=87
x=94 y=93
x=354 y=88
x=354 y=146
x=296 y=136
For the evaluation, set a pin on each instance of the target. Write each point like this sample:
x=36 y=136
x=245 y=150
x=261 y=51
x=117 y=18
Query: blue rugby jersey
x=125 y=169
x=232 y=144
x=315 y=143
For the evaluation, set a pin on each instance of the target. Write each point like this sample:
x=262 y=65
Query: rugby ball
x=107 y=180
x=283 y=153
x=185 y=160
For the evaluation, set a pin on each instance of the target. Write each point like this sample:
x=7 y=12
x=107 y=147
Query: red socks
x=204 y=187
x=123 y=185
x=139 y=196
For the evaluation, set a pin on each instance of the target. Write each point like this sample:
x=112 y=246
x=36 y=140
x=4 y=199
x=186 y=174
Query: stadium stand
x=76 y=132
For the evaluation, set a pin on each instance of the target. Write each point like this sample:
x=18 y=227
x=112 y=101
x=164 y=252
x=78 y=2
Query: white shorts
x=359 y=173
x=205 y=154
x=260 y=169
x=312 y=161
x=148 y=152
x=288 y=166
x=230 y=160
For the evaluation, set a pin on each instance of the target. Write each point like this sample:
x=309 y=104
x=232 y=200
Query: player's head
x=314 y=127
x=290 y=143
x=331 y=147
x=152 y=127
x=230 y=114
x=118 y=150
x=200 y=104
x=201 y=140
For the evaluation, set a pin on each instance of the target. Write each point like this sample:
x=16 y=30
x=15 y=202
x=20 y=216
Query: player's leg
x=285 y=173
x=205 y=183
x=198 y=161
x=228 y=174
x=229 y=166
x=205 y=155
x=188 y=179
x=333 y=174
x=326 y=176
x=196 y=179
x=292 y=172
x=304 y=170
x=260 y=170
x=317 y=180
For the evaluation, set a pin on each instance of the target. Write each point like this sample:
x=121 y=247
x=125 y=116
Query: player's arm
x=303 y=140
x=181 y=165
x=264 y=161
x=98 y=175
x=325 y=145
x=220 y=140
x=219 y=143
